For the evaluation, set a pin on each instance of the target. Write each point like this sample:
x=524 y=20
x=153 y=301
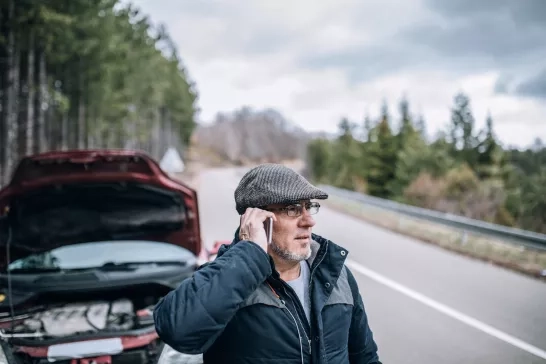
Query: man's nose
x=307 y=219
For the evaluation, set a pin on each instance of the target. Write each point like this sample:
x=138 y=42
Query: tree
x=463 y=138
x=382 y=158
x=533 y=198
x=247 y=135
x=346 y=165
x=89 y=74
x=420 y=126
x=319 y=159
x=367 y=128
x=406 y=125
x=490 y=161
x=415 y=159
x=461 y=171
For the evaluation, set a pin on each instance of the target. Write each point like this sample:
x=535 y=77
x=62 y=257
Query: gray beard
x=289 y=256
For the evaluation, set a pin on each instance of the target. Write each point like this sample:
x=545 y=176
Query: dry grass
x=190 y=176
x=515 y=257
x=198 y=159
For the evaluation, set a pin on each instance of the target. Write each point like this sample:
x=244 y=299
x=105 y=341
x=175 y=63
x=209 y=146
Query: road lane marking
x=447 y=310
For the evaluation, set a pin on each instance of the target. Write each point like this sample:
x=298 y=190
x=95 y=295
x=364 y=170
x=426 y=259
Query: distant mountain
x=248 y=135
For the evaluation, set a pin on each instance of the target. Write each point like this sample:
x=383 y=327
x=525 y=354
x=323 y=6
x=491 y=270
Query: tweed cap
x=272 y=184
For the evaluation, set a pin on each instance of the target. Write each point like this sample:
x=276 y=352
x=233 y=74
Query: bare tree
x=253 y=136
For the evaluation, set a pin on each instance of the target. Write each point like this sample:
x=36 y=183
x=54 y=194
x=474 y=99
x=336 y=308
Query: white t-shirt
x=301 y=286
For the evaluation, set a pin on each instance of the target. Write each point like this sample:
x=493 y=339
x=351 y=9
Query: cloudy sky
x=316 y=61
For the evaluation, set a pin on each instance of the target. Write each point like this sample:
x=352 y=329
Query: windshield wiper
x=34 y=270
x=108 y=266
x=135 y=265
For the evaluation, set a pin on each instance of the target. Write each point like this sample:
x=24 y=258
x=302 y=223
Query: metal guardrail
x=525 y=238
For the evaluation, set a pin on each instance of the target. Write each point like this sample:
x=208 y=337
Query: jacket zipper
x=297 y=328
x=296 y=302
x=294 y=319
x=308 y=338
x=310 y=299
x=310 y=289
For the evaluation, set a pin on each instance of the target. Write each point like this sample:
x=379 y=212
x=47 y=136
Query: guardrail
x=525 y=238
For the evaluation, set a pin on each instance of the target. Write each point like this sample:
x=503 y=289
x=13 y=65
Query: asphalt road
x=425 y=305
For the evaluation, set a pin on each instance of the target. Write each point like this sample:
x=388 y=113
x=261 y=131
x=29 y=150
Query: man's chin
x=295 y=256
x=303 y=254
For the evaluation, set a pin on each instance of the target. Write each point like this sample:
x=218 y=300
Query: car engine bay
x=69 y=319
x=57 y=316
x=73 y=319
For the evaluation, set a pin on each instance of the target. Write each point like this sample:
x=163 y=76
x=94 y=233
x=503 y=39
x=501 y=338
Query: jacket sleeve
x=192 y=316
x=362 y=346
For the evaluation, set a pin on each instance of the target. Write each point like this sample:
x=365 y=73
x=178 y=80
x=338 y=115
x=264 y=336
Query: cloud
x=492 y=34
x=534 y=86
x=462 y=36
x=499 y=32
x=319 y=61
x=522 y=13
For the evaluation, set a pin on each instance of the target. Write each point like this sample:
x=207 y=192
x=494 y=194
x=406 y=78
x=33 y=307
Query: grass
x=494 y=251
x=190 y=176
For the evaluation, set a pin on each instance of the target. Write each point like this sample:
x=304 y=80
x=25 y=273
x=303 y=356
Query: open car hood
x=62 y=198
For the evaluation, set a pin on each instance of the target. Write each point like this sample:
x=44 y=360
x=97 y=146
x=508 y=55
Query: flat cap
x=271 y=183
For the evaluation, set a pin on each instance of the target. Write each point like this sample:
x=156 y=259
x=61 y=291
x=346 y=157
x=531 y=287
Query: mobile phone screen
x=268 y=226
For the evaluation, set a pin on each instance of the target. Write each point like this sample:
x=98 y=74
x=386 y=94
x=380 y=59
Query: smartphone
x=268 y=226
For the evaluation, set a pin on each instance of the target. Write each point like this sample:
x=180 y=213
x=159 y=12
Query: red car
x=89 y=242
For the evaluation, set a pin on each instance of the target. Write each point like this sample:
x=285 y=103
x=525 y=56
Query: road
x=425 y=305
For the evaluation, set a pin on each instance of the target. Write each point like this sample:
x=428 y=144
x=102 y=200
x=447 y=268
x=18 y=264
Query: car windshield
x=96 y=254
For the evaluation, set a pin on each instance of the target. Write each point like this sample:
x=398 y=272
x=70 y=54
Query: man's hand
x=252 y=226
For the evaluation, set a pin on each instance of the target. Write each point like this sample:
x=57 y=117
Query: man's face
x=291 y=239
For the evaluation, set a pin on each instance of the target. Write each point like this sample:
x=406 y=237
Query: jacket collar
x=329 y=256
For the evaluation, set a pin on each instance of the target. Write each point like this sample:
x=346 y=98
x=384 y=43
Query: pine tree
x=462 y=133
x=420 y=126
x=490 y=156
x=367 y=128
x=382 y=157
x=346 y=165
x=92 y=74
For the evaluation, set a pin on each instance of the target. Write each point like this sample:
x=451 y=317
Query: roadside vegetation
x=495 y=251
x=88 y=74
x=463 y=170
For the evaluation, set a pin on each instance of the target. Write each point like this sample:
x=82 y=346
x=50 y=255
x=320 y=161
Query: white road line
x=447 y=310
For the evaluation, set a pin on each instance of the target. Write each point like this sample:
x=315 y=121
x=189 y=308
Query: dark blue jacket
x=236 y=309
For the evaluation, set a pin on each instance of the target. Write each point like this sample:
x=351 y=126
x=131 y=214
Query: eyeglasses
x=295 y=210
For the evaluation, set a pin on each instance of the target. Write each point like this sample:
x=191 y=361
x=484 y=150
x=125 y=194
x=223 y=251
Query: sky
x=318 y=61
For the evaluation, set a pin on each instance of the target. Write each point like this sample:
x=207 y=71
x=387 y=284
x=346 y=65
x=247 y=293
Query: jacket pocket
x=336 y=322
x=337 y=315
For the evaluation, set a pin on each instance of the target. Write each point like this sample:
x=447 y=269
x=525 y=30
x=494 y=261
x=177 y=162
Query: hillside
x=249 y=136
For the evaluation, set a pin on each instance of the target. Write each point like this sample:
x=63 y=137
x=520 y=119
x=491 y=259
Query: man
x=290 y=301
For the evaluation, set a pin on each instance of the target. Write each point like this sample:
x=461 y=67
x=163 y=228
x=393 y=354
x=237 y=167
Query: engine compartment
x=55 y=319
x=68 y=315
x=76 y=318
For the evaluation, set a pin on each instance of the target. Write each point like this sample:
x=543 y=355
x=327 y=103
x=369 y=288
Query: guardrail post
x=464 y=237
x=401 y=222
